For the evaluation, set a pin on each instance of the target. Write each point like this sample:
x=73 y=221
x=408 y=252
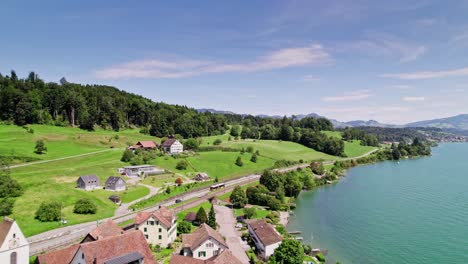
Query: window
x=160 y=230
x=209 y=245
x=13 y=258
x=201 y=254
x=160 y=237
x=215 y=252
x=146 y=236
x=145 y=229
x=14 y=235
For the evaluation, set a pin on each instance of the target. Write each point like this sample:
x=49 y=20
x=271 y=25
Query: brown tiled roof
x=225 y=257
x=203 y=233
x=163 y=214
x=105 y=230
x=265 y=232
x=5 y=228
x=169 y=142
x=59 y=256
x=147 y=144
x=109 y=248
x=190 y=216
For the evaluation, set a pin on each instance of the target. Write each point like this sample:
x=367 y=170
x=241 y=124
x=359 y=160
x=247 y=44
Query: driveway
x=123 y=208
x=226 y=221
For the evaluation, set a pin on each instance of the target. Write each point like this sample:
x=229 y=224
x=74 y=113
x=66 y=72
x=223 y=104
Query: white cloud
x=401 y=86
x=310 y=78
x=413 y=99
x=385 y=45
x=352 y=96
x=157 y=69
x=427 y=74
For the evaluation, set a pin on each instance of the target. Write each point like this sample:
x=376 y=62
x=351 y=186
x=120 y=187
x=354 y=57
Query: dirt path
x=226 y=221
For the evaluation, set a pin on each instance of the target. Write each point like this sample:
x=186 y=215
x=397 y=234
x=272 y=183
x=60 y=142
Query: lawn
x=206 y=205
x=355 y=149
x=161 y=180
x=279 y=150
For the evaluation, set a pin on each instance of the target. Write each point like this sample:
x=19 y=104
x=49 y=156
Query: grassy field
x=355 y=149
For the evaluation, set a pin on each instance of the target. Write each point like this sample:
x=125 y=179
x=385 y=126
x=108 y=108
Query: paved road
x=64 y=158
x=123 y=208
x=226 y=221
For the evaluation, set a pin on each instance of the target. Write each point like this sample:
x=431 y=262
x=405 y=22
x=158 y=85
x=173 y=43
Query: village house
x=146 y=145
x=115 y=199
x=265 y=237
x=191 y=217
x=115 y=184
x=126 y=248
x=172 y=146
x=225 y=257
x=104 y=230
x=201 y=177
x=204 y=243
x=158 y=227
x=88 y=182
x=141 y=170
x=14 y=248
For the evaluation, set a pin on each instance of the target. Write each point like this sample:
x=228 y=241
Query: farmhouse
x=158 y=227
x=129 y=247
x=202 y=176
x=203 y=243
x=88 y=182
x=190 y=217
x=105 y=230
x=14 y=248
x=146 y=145
x=225 y=257
x=265 y=237
x=172 y=146
x=141 y=170
x=115 y=184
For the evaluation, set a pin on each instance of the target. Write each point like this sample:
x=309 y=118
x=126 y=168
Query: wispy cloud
x=352 y=96
x=400 y=87
x=310 y=78
x=428 y=74
x=385 y=45
x=157 y=69
x=413 y=99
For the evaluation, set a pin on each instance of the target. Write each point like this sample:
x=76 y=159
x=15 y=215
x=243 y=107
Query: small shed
x=190 y=217
x=115 y=184
x=88 y=182
x=202 y=176
x=115 y=199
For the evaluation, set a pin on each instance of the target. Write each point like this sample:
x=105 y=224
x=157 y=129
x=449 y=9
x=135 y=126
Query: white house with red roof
x=265 y=237
x=14 y=248
x=204 y=243
x=158 y=227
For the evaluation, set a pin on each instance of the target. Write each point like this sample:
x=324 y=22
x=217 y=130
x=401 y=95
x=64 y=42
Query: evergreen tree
x=40 y=147
x=201 y=216
x=254 y=158
x=212 y=218
x=239 y=161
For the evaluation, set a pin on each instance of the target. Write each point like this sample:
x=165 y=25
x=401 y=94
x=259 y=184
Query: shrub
x=184 y=227
x=254 y=158
x=320 y=257
x=239 y=161
x=48 y=211
x=40 y=147
x=238 y=197
x=202 y=217
x=217 y=142
x=179 y=181
x=6 y=206
x=250 y=213
x=250 y=149
x=191 y=143
x=127 y=156
x=85 y=206
x=182 y=165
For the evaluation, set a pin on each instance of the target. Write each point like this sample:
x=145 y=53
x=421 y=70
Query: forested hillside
x=32 y=101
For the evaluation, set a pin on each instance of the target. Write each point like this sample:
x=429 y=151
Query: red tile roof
x=147 y=144
x=105 y=230
x=190 y=216
x=226 y=257
x=163 y=215
x=58 y=256
x=5 y=227
x=264 y=231
x=108 y=248
x=169 y=142
x=203 y=233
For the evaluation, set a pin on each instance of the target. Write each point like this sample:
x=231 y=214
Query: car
x=239 y=225
x=178 y=201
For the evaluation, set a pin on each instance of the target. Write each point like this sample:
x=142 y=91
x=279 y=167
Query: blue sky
x=392 y=61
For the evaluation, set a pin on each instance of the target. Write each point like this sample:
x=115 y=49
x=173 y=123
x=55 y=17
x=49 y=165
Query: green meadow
x=56 y=180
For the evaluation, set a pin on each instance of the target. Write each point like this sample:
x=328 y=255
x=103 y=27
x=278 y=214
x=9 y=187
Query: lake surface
x=414 y=211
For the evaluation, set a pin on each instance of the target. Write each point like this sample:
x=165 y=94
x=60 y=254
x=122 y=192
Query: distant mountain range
x=457 y=123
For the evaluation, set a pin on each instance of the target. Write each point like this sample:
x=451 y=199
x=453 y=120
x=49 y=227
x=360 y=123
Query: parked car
x=178 y=201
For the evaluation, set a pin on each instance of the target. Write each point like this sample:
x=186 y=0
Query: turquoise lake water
x=414 y=211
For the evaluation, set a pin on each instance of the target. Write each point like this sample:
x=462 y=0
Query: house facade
x=204 y=243
x=88 y=182
x=14 y=248
x=225 y=257
x=172 y=146
x=201 y=177
x=158 y=227
x=141 y=170
x=115 y=184
x=265 y=237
